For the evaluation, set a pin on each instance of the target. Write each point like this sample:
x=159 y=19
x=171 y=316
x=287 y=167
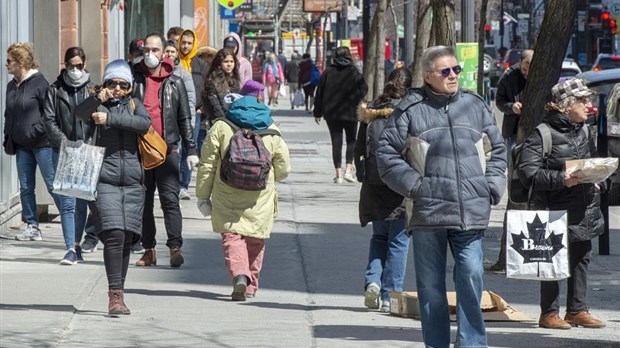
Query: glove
x=192 y=161
x=204 y=206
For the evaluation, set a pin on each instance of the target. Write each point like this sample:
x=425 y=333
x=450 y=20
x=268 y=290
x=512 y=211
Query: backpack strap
x=547 y=140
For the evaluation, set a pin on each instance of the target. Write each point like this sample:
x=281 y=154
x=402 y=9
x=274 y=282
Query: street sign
x=230 y=4
x=508 y=18
x=226 y=13
x=615 y=8
x=494 y=25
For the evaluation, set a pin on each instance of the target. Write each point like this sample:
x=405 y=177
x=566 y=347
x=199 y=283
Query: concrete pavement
x=311 y=291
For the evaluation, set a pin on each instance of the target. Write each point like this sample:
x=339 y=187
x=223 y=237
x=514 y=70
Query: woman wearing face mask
x=222 y=78
x=114 y=121
x=68 y=91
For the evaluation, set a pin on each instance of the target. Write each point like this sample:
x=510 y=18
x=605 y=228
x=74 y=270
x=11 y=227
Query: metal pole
x=467 y=21
x=409 y=44
x=501 y=24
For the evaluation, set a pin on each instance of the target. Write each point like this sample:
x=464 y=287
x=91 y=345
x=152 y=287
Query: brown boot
x=584 y=319
x=176 y=259
x=116 y=304
x=149 y=258
x=552 y=320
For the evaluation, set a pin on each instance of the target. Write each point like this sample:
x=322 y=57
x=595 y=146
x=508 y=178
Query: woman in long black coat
x=115 y=121
x=555 y=189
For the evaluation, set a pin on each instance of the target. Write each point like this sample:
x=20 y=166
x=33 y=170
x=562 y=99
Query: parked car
x=570 y=69
x=607 y=84
x=606 y=61
x=512 y=57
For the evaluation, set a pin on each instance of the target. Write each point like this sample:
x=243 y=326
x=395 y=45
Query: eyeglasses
x=70 y=66
x=111 y=84
x=446 y=72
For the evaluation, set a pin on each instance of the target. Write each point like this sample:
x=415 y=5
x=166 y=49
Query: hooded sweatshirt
x=152 y=88
x=194 y=65
x=23 y=115
x=245 y=67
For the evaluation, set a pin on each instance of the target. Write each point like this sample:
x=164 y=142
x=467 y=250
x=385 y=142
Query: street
x=311 y=289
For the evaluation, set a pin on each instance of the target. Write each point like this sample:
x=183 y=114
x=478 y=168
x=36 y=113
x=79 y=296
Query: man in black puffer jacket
x=453 y=182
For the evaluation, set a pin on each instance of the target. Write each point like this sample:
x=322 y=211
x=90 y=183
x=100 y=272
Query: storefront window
x=143 y=17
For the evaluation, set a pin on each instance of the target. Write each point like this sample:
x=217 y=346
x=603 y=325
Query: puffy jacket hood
x=247 y=112
x=561 y=121
x=342 y=63
x=186 y=60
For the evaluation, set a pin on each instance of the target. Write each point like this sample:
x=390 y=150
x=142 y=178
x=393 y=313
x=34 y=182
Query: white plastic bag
x=537 y=245
x=282 y=90
x=78 y=170
x=298 y=99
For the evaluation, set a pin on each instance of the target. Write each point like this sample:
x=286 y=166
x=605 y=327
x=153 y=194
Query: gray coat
x=453 y=177
x=120 y=191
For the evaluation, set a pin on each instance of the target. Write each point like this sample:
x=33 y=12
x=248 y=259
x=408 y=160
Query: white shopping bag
x=282 y=90
x=77 y=173
x=537 y=245
x=298 y=99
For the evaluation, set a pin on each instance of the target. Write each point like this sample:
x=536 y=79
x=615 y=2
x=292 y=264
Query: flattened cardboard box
x=494 y=307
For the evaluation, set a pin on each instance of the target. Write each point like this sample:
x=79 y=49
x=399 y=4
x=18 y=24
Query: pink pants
x=244 y=256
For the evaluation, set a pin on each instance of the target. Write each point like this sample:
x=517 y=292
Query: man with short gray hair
x=452 y=182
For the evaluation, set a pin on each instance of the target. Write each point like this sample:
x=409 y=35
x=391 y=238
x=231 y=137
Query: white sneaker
x=348 y=176
x=338 y=180
x=30 y=233
x=184 y=195
x=371 y=296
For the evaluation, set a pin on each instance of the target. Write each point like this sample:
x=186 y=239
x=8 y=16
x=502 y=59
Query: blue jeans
x=387 y=256
x=430 y=252
x=47 y=159
x=81 y=214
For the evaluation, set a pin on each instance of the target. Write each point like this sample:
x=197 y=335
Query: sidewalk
x=311 y=291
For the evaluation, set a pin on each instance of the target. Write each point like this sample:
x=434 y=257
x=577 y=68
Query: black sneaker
x=78 y=253
x=497 y=269
x=89 y=245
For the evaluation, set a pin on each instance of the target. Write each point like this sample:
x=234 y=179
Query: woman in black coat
x=554 y=189
x=389 y=244
x=222 y=79
x=338 y=95
x=115 y=121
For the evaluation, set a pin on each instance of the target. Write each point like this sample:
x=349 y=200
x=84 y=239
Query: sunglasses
x=70 y=66
x=446 y=72
x=111 y=84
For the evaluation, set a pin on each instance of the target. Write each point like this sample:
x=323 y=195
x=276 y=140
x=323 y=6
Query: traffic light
x=612 y=26
x=487 y=33
x=606 y=22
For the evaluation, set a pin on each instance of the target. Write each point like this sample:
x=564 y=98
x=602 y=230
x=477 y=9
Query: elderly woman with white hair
x=115 y=121
x=555 y=189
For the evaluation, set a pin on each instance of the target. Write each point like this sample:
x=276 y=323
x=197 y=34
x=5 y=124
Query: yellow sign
x=231 y=4
x=291 y=35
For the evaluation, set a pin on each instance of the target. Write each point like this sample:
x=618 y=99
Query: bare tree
x=374 y=69
x=481 y=38
x=549 y=51
x=395 y=18
x=423 y=39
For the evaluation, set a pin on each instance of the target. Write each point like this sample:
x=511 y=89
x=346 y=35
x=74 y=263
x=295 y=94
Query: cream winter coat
x=248 y=213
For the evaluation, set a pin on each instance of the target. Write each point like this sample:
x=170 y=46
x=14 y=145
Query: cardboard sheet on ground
x=494 y=307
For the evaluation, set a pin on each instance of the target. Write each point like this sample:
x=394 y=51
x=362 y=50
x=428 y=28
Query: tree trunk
x=422 y=40
x=396 y=46
x=374 y=62
x=544 y=72
x=443 y=22
x=481 y=39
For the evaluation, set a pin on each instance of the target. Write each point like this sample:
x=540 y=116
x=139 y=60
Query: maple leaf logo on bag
x=537 y=248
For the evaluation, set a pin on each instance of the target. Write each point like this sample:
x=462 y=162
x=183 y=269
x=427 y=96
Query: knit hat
x=570 y=88
x=252 y=88
x=136 y=45
x=118 y=69
x=171 y=43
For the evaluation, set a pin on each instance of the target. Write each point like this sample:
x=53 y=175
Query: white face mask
x=75 y=74
x=151 y=61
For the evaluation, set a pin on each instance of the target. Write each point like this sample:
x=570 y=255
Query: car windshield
x=568 y=73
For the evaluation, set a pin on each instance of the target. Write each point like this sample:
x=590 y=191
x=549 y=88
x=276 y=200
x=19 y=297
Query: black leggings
x=336 y=128
x=116 y=251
